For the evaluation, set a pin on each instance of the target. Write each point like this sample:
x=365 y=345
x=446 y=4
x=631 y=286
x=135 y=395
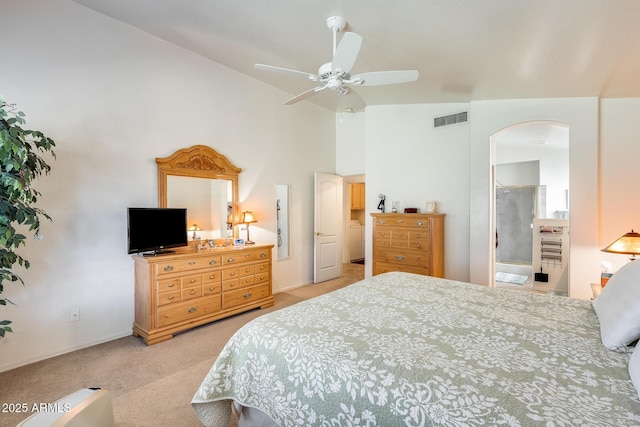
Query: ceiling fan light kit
x=335 y=75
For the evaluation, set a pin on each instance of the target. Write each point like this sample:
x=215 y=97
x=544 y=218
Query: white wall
x=114 y=98
x=619 y=156
x=410 y=161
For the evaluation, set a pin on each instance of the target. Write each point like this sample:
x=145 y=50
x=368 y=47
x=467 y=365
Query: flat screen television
x=154 y=230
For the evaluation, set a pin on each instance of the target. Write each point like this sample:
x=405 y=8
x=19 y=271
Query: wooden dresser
x=179 y=291
x=413 y=243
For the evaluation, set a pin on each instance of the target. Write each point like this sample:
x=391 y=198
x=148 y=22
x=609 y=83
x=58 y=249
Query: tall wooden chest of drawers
x=180 y=291
x=413 y=243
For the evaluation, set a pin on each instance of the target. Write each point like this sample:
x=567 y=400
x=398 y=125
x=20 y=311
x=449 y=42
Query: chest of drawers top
x=204 y=259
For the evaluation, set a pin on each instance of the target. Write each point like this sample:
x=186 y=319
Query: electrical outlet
x=74 y=314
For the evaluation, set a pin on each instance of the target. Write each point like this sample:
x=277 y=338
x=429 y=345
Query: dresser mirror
x=283 y=206
x=206 y=183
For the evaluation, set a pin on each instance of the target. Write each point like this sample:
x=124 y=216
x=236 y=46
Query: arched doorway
x=530 y=193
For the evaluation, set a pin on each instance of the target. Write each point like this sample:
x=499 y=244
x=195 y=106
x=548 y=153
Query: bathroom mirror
x=206 y=183
x=283 y=208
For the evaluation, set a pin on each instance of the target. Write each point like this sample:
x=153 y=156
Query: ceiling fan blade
x=378 y=78
x=304 y=95
x=346 y=52
x=287 y=71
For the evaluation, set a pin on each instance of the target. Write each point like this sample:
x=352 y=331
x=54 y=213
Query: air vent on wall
x=451 y=119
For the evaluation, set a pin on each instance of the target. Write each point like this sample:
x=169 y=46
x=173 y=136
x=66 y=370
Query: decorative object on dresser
x=178 y=292
x=247 y=219
x=413 y=243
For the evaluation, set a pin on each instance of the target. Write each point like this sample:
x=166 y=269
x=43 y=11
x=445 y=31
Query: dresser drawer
x=170 y=297
x=211 y=288
x=230 y=273
x=405 y=257
x=245 y=295
x=402 y=222
x=262 y=267
x=246 y=255
x=246 y=281
x=180 y=265
x=422 y=245
x=188 y=310
x=399 y=234
x=212 y=277
x=168 y=284
x=247 y=270
x=384 y=267
x=191 y=292
x=192 y=280
x=228 y=285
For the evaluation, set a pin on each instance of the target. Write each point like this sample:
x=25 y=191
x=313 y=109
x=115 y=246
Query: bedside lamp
x=628 y=244
x=248 y=218
x=194 y=228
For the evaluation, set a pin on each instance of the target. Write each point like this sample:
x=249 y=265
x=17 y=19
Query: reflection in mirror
x=206 y=183
x=209 y=204
x=283 y=207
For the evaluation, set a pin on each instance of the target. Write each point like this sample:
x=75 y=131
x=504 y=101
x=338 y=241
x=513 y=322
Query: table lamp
x=628 y=244
x=248 y=218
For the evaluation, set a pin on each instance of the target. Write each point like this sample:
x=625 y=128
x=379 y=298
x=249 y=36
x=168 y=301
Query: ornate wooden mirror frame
x=198 y=161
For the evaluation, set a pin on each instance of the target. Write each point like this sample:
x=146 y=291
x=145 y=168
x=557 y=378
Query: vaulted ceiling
x=463 y=49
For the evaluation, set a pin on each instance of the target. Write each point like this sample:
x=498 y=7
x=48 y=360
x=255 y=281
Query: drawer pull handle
x=231 y=285
x=193 y=292
x=168 y=268
x=418 y=246
x=247 y=295
x=263 y=255
x=232 y=274
x=247 y=280
x=230 y=259
x=212 y=262
x=381 y=221
x=400 y=257
x=417 y=236
x=420 y=223
x=247 y=255
x=192 y=263
x=170 y=285
x=170 y=298
x=212 y=277
x=192 y=310
x=247 y=270
x=192 y=281
x=211 y=289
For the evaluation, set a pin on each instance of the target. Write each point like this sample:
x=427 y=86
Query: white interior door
x=327 y=227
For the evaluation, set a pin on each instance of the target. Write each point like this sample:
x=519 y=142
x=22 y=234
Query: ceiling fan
x=335 y=75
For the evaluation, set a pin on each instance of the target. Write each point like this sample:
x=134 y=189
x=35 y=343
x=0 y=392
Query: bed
x=402 y=349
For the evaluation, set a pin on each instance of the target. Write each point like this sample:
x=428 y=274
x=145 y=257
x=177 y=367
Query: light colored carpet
x=150 y=385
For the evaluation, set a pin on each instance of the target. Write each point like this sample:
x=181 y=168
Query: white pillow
x=618 y=307
x=634 y=368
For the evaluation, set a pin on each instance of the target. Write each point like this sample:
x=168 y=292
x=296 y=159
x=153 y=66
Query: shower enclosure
x=515 y=209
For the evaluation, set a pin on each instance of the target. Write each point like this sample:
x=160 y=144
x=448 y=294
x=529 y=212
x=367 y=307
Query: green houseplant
x=20 y=165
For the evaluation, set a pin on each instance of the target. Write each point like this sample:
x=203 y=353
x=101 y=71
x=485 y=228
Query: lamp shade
x=627 y=244
x=247 y=217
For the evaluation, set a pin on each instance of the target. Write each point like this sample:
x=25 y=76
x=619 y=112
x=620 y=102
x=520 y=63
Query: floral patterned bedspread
x=401 y=349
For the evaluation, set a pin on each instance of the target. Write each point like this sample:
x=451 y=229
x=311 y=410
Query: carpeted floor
x=150 y=385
